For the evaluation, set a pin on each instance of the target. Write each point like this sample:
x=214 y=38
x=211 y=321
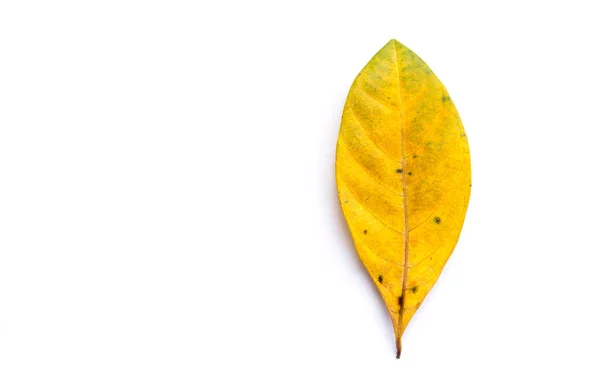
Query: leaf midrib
x=405 y=206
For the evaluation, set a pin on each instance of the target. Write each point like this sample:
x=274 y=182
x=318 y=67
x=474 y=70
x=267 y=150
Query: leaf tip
x=394 y=43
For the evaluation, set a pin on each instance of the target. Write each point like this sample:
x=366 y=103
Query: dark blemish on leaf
x=401 y=300
x=414 y=156
x=345 y=201
x=445 y=98
x=437 y=220
x=365 y=231
x=380 y=278
x=409 y=173
x=415 y=289
x=399 y=170
x=470 y=185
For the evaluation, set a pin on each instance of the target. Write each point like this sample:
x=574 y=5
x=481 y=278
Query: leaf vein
x=362 y=126
x=369 y=210
x=372 y=96
x=378 y=255
x=369 y=172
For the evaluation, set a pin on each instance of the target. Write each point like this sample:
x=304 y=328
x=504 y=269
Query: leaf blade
x=403 y=176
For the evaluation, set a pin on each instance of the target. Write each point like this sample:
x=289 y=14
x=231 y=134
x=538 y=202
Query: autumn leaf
x=403 y=175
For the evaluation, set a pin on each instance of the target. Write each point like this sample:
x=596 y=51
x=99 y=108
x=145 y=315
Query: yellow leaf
x=403 y=175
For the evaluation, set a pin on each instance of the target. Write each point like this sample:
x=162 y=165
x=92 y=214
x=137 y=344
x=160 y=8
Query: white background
x=168 y=211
